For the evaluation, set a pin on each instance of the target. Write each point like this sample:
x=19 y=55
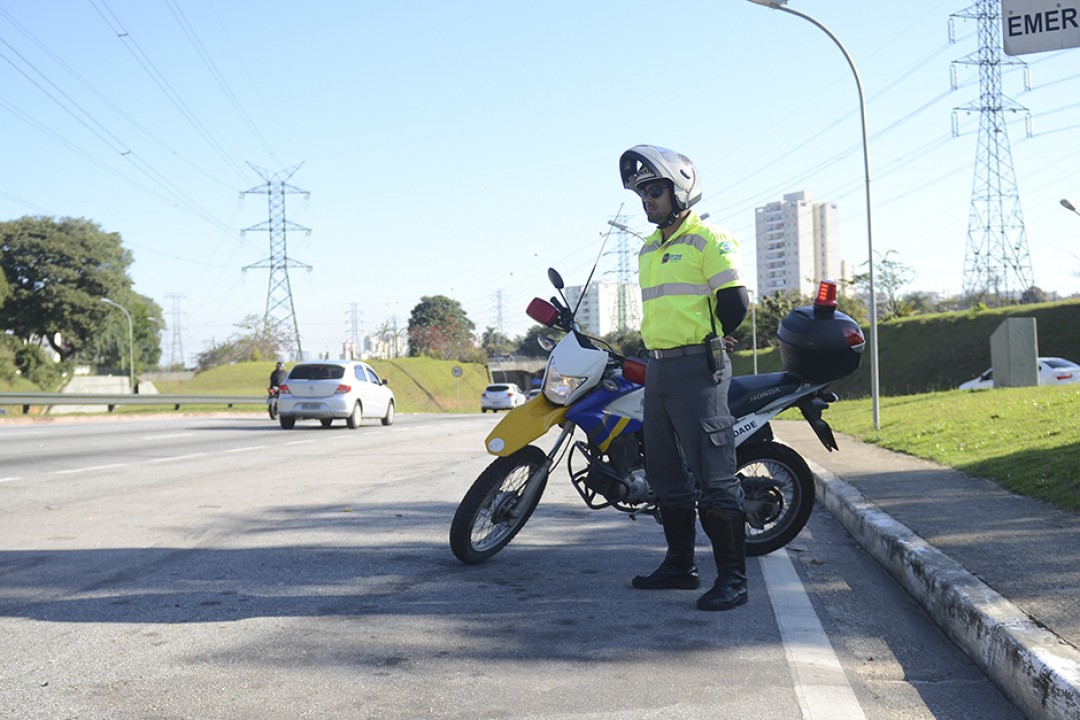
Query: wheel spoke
x=499 y=512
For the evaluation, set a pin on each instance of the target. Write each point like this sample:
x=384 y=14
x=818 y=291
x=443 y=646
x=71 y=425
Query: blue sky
x=463 y=148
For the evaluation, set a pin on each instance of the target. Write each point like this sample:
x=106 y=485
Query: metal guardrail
x=112 y=400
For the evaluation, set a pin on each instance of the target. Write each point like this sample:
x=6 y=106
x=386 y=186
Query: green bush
x=930 y=353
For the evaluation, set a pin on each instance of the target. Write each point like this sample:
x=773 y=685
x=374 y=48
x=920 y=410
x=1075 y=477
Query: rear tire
x=491 y=513
x=779 y=495
x=388 y=418
x=353 y=421
x=287 y=422
x=272 y=409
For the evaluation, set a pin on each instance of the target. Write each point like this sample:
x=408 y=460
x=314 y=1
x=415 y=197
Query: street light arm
x=1069 y=206
x=624 y=228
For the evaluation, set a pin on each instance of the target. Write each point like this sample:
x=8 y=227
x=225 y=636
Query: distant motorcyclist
x=277 y=378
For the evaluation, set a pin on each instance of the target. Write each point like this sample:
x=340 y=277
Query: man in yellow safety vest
x=692 y=298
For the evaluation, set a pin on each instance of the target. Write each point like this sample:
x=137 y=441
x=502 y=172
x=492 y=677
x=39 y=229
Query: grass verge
x=1025 y=439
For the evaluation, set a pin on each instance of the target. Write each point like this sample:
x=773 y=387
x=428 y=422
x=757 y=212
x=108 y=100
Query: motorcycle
x=596 y=392
x=272 y=395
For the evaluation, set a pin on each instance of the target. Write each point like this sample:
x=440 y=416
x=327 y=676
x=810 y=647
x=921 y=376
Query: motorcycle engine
x=622 y=478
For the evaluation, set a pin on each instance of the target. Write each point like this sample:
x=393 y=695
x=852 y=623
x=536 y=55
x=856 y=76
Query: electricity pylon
x=997 y=265
x=626 y=312
x=279 y=318
x=176 y=347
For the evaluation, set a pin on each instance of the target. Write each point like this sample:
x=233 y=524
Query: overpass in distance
x=518 y=369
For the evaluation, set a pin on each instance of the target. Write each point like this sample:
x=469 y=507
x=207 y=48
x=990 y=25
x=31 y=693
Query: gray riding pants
x=687 y=423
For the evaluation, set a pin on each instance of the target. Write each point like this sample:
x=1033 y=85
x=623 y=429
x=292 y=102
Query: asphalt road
x=224 y=568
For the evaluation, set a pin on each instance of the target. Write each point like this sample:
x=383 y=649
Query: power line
x=204 y=55
x=144 y=60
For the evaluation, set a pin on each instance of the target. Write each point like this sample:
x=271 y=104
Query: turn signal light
x=633 y=369
x=542 y=312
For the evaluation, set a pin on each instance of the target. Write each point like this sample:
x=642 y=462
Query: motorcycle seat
x=750 y=393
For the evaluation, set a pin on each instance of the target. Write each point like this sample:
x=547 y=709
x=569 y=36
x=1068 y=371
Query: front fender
x=522 y=425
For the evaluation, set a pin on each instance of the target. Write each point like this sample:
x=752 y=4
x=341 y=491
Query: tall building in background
x=798 y=245
x=600 y=312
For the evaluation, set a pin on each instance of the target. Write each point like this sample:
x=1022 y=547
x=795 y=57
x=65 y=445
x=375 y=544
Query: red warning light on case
x=826 y=294
x=825 y=302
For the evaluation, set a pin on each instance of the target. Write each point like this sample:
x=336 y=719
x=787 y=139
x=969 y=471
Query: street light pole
x=874 y=391
x=131 y=339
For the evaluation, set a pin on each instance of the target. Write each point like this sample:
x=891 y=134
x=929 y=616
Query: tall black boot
x=727 y=530
x=678 y=570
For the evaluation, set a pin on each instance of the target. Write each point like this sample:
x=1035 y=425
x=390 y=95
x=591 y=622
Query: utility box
x=1014 y=352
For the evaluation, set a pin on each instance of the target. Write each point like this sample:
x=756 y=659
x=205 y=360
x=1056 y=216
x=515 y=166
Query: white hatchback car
x=1052 y=371
x=326 y=390
x=501 y=396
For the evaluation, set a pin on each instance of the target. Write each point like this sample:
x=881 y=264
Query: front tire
x=287 y=422
x=492 y=512
x=388 y=418
x=272 y=409
x=779 y=495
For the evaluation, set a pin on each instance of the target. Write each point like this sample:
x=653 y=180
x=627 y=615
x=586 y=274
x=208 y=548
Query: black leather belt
x=677 y=352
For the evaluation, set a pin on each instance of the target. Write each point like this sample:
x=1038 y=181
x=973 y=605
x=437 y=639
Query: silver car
x=327 y=390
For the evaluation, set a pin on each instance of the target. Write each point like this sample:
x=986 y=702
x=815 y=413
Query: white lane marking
x=820 y=684
x=10 y=479
x=11 y=433
x=174 y=458
x=89 y=469
x=299 y=442
x=168 y=436
x=246 y=449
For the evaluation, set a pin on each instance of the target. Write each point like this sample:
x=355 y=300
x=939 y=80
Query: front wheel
x=272 y=406
x=496 y=507
x=779 y=495
x=388 y=418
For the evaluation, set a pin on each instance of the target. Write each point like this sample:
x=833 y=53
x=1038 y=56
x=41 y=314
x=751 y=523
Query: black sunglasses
x=654 y=191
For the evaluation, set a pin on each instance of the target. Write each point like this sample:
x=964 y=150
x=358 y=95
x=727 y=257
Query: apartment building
x=798 y=245
x=607 y=307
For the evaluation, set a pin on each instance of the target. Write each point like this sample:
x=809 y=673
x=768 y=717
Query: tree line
x=57 y=272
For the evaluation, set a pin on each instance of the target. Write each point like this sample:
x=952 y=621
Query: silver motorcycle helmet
x=643 y=164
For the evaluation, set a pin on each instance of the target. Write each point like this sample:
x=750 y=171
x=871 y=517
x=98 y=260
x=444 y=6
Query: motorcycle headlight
x=559 y=387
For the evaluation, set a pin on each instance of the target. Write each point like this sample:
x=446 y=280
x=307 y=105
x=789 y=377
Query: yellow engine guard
x=522 y=425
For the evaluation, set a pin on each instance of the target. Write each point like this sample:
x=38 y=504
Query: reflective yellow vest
x=679 y=279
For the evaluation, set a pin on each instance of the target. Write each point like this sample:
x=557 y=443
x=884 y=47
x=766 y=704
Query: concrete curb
x=1035 y=669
